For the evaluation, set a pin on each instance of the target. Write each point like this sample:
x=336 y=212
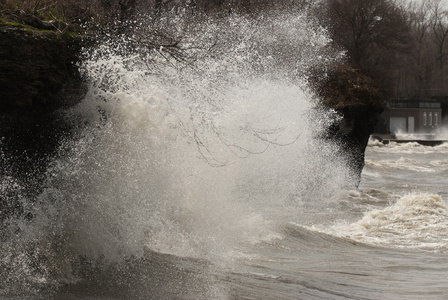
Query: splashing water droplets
x=184 y=155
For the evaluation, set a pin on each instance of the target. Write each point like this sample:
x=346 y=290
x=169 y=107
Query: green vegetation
x=24 y=26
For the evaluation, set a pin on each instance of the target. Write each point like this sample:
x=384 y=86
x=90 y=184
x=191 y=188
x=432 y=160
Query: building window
x=424 y=118
x=430 y=119
x=436 y=119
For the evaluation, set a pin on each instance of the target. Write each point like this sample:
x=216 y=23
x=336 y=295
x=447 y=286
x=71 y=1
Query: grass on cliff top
x=24 y=26
x=64 y=34
x=44 y=16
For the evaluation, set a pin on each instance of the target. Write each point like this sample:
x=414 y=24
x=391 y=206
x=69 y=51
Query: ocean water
x=205 y=178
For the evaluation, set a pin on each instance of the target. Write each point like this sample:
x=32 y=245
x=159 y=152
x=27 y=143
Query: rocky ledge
x=37 y=69
x=356 y=98
x=38 y=76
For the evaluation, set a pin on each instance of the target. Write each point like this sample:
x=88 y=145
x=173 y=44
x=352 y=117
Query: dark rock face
x=35 y=68
x=352 y=134
x=357 y=99
x=38 y=76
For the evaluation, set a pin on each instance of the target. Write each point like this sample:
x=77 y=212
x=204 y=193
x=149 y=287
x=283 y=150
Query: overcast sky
x=445 y=2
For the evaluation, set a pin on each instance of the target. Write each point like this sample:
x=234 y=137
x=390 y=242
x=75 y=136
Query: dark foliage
x=343 y=87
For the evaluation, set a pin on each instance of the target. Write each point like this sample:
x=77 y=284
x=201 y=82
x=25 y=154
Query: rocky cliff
x=355 y=97
x=36 y=68
x=38 y=76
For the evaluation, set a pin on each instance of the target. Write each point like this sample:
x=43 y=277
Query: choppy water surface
x=211 y=183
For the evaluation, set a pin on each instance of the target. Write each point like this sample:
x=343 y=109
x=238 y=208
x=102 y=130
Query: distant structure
x=411 y=117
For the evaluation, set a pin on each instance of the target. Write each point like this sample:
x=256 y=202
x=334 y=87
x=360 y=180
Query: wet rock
x=356 y=98
x=38 y=76
x=352 y=133
x=37 y=70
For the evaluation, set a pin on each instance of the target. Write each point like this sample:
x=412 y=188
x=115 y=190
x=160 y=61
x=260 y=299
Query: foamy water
x=413 y=221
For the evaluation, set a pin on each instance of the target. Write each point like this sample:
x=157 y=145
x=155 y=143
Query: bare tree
x=371 y=31
x=360 y=24
x=416 y=67
x=440 y=36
